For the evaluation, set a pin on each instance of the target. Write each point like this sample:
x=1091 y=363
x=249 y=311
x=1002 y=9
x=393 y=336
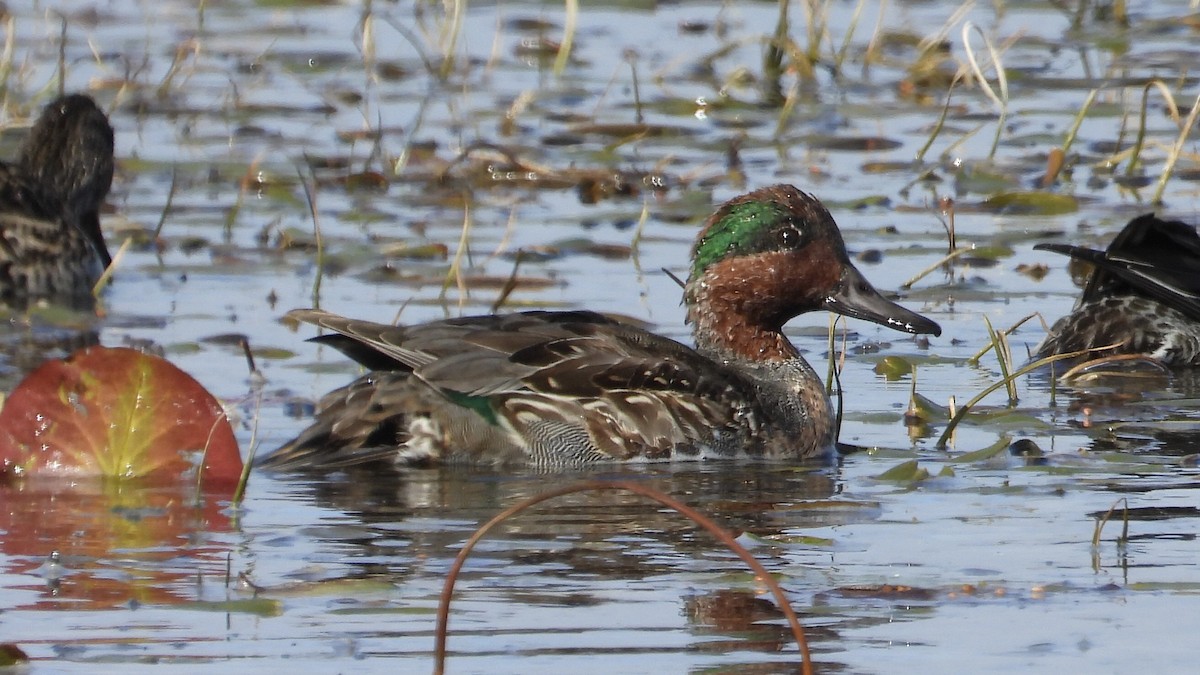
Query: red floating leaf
x=118 y=413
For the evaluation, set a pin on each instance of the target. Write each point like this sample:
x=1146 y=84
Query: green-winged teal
x=567 y=388
x=1142 y=295
x=50 y=197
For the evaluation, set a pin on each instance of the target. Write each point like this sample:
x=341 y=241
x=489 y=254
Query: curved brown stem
x=443 y=614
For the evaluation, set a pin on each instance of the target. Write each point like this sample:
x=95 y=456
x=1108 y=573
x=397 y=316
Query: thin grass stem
x=455 y=271
x=310 y=195
x=1136 y=157
x=106 y=275
x=162 y=216
x=928 y=270
x=840 y=57
x=999 y=100
x=1103 y=520
x=941 y=121
x=1007 y=331
x=239 y=492
x=1004 y=357
x=966 y=407
x=570 y=24
x=1173 y=157
x=510 y=283
x=449 y=37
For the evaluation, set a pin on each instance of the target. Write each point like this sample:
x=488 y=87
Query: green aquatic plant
x=1059 y=155
x=310 y=196
x=1005 y=333
x=939 y=124
x=7 y=54
x=1103 y=520
x=999 y=342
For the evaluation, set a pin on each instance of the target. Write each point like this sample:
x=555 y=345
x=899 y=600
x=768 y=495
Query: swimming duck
x=573 y=387
x=1143 y=293
x=50 y=239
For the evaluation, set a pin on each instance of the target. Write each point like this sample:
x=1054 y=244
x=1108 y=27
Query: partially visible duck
x=50 y=197
x=1144 y=293
x=573 y=387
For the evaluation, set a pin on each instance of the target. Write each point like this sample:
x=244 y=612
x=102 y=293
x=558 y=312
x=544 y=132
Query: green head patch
x=742 y=229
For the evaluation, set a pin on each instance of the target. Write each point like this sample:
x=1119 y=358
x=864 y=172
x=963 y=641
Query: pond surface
x=427 y=175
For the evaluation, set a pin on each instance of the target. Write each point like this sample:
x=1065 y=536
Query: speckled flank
x=1136 y=325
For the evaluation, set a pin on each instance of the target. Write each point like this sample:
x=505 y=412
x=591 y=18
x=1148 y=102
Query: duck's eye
x=789 y=237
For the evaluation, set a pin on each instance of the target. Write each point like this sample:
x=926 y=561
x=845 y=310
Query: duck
x=572 y=388
x=51 y=244
x=1141 y=299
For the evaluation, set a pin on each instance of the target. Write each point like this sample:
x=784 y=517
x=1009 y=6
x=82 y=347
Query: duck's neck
x=732 y=326
x=727 y=329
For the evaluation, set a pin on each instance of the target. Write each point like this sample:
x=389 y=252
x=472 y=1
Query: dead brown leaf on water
x=887 y=592
x=1037 y=271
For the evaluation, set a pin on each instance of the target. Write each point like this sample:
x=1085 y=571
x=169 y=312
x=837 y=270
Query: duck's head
x=68 y=156
x=768 y=256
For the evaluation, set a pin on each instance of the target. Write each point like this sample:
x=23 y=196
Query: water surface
x=987 y=565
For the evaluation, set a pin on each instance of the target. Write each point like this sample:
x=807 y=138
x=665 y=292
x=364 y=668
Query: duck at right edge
x=1143 y=296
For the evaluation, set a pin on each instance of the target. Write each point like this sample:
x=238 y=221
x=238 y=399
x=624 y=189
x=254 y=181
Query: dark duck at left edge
x=51 y=245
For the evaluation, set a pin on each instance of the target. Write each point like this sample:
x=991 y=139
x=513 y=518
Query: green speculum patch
x=479 y=404
x=744 y=229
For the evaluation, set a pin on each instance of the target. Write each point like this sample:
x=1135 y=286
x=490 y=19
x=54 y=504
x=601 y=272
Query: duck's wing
x=481 y=355
x=473 y=355
x=1155 y=258
x=615 y=389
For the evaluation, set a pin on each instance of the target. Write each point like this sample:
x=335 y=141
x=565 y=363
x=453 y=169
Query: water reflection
x=101 y=545
x=26 y=343
x=744 y=497
x=601 y=562
x=1148 y=412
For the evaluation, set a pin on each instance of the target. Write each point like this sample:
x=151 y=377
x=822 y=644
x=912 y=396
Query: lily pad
x=852 y=143
x=893 y=367
x=905 y=472
x=1031 y=203
x=116 y=413
x=993 y=450
x=264 y=607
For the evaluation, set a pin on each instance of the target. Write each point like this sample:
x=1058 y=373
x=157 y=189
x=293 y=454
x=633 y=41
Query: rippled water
x=988 y=564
